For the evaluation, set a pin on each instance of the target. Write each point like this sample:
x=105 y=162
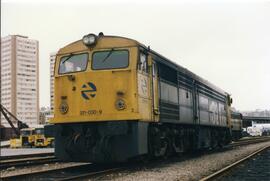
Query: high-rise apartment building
x=20 y=78
x=52 y=62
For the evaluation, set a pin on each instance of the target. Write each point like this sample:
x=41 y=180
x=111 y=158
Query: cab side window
x=154 y=69
x=143 y=62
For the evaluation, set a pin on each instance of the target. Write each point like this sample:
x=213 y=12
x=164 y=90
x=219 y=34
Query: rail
x=5 y=164
x=226 y=169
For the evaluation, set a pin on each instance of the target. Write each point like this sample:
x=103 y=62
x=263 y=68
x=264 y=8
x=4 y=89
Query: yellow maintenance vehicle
x=25 y=136
x=41 y=140
x=32 y=137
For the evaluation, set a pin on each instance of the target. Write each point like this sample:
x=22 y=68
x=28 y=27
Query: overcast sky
x=225 y=42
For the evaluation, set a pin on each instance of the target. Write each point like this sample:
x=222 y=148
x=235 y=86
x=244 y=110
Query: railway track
x=91 y=174
x=76 y=171
x=249 y=141
x=20 y=162
x=26 y=156
x=26 y=160
x=219 y=173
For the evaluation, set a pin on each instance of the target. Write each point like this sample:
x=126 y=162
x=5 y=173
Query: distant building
x=20 y=78
x=257 y=113
x=45 y=114
x=52 y=62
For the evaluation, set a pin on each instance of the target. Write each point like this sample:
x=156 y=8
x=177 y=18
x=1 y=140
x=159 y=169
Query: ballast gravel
x=32 y=169
x=187 y=169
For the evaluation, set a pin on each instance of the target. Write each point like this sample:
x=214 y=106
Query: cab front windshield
x=39 y=131
x=112 y=59
x=26 y=132
x=73 y=63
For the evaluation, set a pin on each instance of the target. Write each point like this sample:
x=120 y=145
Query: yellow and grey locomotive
x=116 y=99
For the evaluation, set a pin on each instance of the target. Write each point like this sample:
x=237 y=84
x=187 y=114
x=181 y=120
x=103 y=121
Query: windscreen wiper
x=108 y=55
x=67 y=58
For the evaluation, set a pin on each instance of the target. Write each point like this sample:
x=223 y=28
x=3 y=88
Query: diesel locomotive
x=116 y=99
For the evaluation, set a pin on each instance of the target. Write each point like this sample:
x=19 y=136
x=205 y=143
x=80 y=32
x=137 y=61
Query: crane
x=20 y=124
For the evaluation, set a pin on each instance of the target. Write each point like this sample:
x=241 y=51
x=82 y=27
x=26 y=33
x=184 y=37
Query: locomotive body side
x=194 y=114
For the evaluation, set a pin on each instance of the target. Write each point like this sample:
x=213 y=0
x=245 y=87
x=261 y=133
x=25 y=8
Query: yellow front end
x=27 y=137
x=32 y=139
x=40 y=141
x=108 y=94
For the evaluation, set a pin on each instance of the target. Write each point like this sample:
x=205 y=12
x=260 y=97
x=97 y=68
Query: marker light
x=63 y=108
x=120 y=104
x=89 y=40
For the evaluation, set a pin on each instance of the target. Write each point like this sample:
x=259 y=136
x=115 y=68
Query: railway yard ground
x=257 y=168
x=4 y=144
x=193 y=166
x=24 y=151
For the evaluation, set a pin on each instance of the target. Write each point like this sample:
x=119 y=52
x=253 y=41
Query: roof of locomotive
x=131 y=42
x=103 y=42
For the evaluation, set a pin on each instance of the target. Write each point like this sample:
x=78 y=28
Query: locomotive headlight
x=63 y=108
x=120 y=104
x=89 y=40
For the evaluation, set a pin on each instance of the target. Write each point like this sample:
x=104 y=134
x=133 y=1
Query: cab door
x=144 y=87
x=154 y=88
x=148 y=97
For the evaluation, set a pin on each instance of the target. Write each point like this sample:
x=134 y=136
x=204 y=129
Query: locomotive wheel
x=161 y=151
x=169 y=147
x=160 y=143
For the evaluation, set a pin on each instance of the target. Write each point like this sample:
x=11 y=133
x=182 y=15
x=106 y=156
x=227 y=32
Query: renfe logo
x=88 y=90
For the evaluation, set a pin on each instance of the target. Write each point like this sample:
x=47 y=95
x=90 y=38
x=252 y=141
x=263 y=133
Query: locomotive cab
x=99 y=83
